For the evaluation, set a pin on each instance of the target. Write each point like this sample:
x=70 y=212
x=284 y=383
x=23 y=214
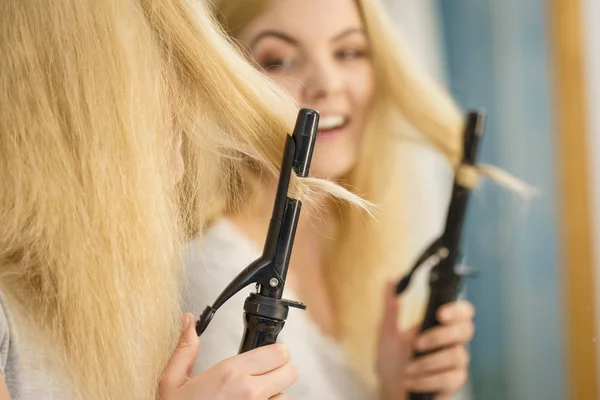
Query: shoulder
x=5 y=335
x=9 y=360
x=212 y=261
x=222 y=246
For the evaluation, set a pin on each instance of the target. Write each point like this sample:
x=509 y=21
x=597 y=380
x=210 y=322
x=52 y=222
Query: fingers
x=445 y=335
x=455 y=357
x=445 y=370
x=261 y=360
x=392 y=309
x=275 y=382
x=448 y=382
x=459 y=310
x=262 y=373
x=181 y=364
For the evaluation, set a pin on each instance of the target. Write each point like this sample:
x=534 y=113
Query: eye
x=277 y=64
x=350 y=54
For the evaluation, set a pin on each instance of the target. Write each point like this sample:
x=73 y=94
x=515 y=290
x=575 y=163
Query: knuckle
x=183 y=344
x=458 y=357
x=454 y=381
x=470 y=309
x=465 y=357
x=248 y=392
x=461 y=378
x=459 y=332
x=187 y=345
x=471 y=329
x=458 y=352
x=280 y=352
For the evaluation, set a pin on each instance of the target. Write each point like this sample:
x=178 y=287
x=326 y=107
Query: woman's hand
x=260 y=374
x=444 y=371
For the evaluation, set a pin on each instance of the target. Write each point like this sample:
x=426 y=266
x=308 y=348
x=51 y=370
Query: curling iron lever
x=265 y=311
x=445 y=278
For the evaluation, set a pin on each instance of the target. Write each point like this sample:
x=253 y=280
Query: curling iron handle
x=259 y=331
x=264 y=318
x=421 y=396
x=441 y=294
x=445 y=292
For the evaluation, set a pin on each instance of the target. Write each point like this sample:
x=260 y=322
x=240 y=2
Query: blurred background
x=534 y=66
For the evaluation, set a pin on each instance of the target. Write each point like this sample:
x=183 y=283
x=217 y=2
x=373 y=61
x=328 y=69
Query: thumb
x=180 y=366
x=392 y=310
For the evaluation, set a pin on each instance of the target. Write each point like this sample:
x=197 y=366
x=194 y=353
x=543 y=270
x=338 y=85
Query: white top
x=210 y=266
x=20 y=364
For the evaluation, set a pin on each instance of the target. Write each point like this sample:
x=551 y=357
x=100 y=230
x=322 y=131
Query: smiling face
x=318 y=51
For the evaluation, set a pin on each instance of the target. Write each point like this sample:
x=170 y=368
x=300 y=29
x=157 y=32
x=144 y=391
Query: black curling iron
x=445 y=280
x=265 y=311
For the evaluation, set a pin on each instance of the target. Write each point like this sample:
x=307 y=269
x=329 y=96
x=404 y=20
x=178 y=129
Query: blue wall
x=498 y=58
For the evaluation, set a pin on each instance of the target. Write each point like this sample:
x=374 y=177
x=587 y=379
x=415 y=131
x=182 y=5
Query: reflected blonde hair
x=364 y=254
x=92 y=95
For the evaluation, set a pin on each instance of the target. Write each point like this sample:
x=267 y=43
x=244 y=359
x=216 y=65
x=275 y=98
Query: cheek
x=291 y=86
x=361 y=88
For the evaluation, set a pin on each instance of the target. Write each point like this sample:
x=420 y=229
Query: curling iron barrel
x=444 y=280
x=265 y=311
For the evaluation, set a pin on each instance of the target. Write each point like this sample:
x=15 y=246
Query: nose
x=322 y=79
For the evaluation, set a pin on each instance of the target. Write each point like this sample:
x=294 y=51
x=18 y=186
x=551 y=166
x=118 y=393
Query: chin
x=331 y=168
x=334 y=157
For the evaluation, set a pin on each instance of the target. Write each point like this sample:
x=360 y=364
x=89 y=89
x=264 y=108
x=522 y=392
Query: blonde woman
x=340 y=57
x=103 y=106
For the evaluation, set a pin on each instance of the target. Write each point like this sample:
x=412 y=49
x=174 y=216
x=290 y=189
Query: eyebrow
x=273 y=33
x=287 y=38
x=347 y=32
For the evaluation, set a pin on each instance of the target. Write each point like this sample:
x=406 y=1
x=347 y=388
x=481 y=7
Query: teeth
x=331 y=122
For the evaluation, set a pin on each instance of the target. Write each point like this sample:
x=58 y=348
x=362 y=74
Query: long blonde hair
x=92 y=94
x=364 y=253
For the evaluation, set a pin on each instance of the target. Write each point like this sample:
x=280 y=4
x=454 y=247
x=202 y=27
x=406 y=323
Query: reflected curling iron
x=265 y=311
x=444 y=252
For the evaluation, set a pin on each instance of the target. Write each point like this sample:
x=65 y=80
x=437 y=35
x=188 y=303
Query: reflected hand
x=444 y=371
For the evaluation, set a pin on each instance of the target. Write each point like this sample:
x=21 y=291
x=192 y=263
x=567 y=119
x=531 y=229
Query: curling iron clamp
x=265 y=311
x=445 y=280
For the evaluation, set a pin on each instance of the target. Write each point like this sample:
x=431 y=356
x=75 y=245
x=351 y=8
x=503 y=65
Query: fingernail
x=185 y=322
